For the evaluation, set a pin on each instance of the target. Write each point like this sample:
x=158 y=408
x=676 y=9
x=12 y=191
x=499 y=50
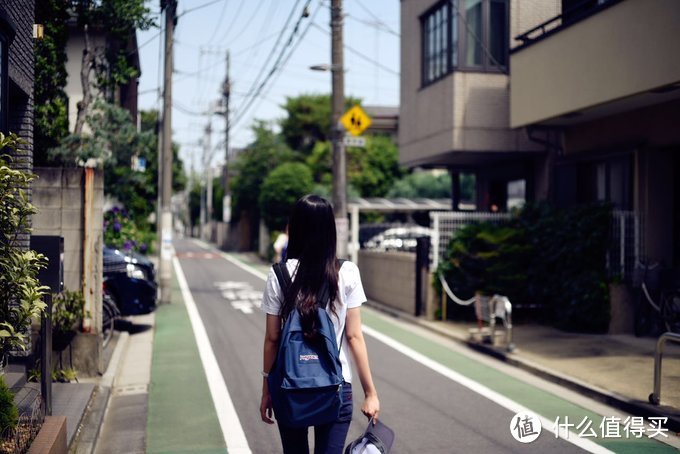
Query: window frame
x=458 y=19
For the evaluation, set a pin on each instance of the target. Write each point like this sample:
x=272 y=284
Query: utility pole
x=337 y=133
x=208 y=175
x=165 y=262
x=226 y=93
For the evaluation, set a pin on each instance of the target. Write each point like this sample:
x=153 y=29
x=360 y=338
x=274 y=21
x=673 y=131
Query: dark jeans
x=328 y=438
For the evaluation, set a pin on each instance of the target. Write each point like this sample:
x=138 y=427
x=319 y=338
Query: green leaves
x=555 y=258
x=280 y=190
x=20 y=292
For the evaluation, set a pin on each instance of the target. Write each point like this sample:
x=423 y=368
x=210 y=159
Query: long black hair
x=312 y=241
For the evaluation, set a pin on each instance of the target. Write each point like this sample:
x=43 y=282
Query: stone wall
x=389 y=278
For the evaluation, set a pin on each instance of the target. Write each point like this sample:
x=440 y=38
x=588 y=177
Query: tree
x=267 y=151
x=422 y=184
x=308 y=120
x=281 y=189
x=51 y=119
x=371 y=170
x=119 y=19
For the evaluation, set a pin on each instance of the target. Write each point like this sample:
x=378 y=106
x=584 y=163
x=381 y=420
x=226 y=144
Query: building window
x=464 y=35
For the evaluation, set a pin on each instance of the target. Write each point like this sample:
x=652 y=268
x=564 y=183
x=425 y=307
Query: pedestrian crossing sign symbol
x=355 y=120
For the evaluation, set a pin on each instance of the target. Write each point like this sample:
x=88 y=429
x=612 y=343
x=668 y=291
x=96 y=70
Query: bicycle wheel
x=108 y=319
x=671 y=312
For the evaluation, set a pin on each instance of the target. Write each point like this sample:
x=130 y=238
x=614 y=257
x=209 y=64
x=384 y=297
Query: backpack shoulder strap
x=283 y=276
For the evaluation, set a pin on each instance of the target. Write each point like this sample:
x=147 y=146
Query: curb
x=87 y=439
x=636 y=408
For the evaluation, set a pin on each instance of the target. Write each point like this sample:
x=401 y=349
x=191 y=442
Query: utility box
x=51 y=247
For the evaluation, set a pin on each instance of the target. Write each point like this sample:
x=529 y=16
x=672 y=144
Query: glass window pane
x=430 y=49
x=498 y=33
x=445 y=39
x=437 y=42
x=474 y=36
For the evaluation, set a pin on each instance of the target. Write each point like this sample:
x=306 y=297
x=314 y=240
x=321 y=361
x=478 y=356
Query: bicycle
x=110 y=313
x=654 y=315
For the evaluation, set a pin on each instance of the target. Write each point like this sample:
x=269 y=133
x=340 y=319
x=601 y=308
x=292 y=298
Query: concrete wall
x=389 y=278
x=465 y=111
x=621 y=51
x=58 y=194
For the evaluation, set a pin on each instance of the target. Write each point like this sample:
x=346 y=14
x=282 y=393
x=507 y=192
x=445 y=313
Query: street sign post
x=355 y=120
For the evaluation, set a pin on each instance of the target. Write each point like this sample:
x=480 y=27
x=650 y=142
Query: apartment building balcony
x=598 y=59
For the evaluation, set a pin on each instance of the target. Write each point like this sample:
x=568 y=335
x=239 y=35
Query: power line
x=377 y=19
x=359 y=54
x=235 y=17
x=196 y=8
x=219 y=21
x=375 y=24
x=275 y=67
x=256 y=81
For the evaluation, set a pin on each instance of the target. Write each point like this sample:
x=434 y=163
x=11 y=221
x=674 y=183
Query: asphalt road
x=429 y=411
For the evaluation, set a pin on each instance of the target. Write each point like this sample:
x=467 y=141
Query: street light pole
x=165 y=190
x=337 y=107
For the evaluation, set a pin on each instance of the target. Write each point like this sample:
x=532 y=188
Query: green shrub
x=122 y=232
x=9 y=414
x=281 y=189
x=555 y=258
x=68 y=310
x=20 y=291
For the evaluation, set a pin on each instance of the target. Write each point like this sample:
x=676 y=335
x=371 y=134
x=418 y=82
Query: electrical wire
x=377 y=19
x=256 y=81
x=359 y=54
x=196 y=8
x=219 y=21
x=376 y=25
x=241 y=112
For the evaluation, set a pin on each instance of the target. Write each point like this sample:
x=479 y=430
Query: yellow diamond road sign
x=355 y=120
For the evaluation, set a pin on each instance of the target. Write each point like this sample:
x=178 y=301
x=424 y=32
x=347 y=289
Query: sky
x=249 y=30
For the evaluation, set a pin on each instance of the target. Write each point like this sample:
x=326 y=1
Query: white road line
x=234 y=437
x=482 y=390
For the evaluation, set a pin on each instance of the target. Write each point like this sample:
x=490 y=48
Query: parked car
x=398 y=239
x=130 y=281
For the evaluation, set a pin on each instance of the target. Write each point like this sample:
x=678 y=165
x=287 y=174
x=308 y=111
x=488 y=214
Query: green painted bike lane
x=182 y=416
x=537 y=400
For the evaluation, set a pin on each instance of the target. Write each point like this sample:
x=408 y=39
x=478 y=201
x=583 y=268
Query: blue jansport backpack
x=305 y=381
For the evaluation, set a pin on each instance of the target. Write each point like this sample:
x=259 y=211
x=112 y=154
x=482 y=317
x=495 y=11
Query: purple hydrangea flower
x=116 y=226
x=115 y=209
x=128 y=245
x=142 y=247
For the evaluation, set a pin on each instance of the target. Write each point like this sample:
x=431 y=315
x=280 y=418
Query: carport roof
x=398 y=204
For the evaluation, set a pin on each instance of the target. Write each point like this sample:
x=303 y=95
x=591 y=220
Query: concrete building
x=455 y=91
x=601 y=81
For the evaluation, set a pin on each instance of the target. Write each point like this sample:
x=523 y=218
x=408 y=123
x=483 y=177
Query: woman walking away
x=314 y=292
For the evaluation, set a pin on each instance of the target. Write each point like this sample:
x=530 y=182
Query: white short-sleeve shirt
x=351 y=295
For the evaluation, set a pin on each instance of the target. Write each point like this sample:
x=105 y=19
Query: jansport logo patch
x=306 y=358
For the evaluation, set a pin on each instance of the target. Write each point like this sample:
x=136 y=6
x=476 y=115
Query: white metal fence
x=625 y=247
x=445 y=223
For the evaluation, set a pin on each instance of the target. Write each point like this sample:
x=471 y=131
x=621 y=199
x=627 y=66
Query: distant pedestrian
x=312 y=261
x=281 y=246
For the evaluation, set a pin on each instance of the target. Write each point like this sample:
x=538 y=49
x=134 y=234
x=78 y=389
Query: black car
x=130 y=279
